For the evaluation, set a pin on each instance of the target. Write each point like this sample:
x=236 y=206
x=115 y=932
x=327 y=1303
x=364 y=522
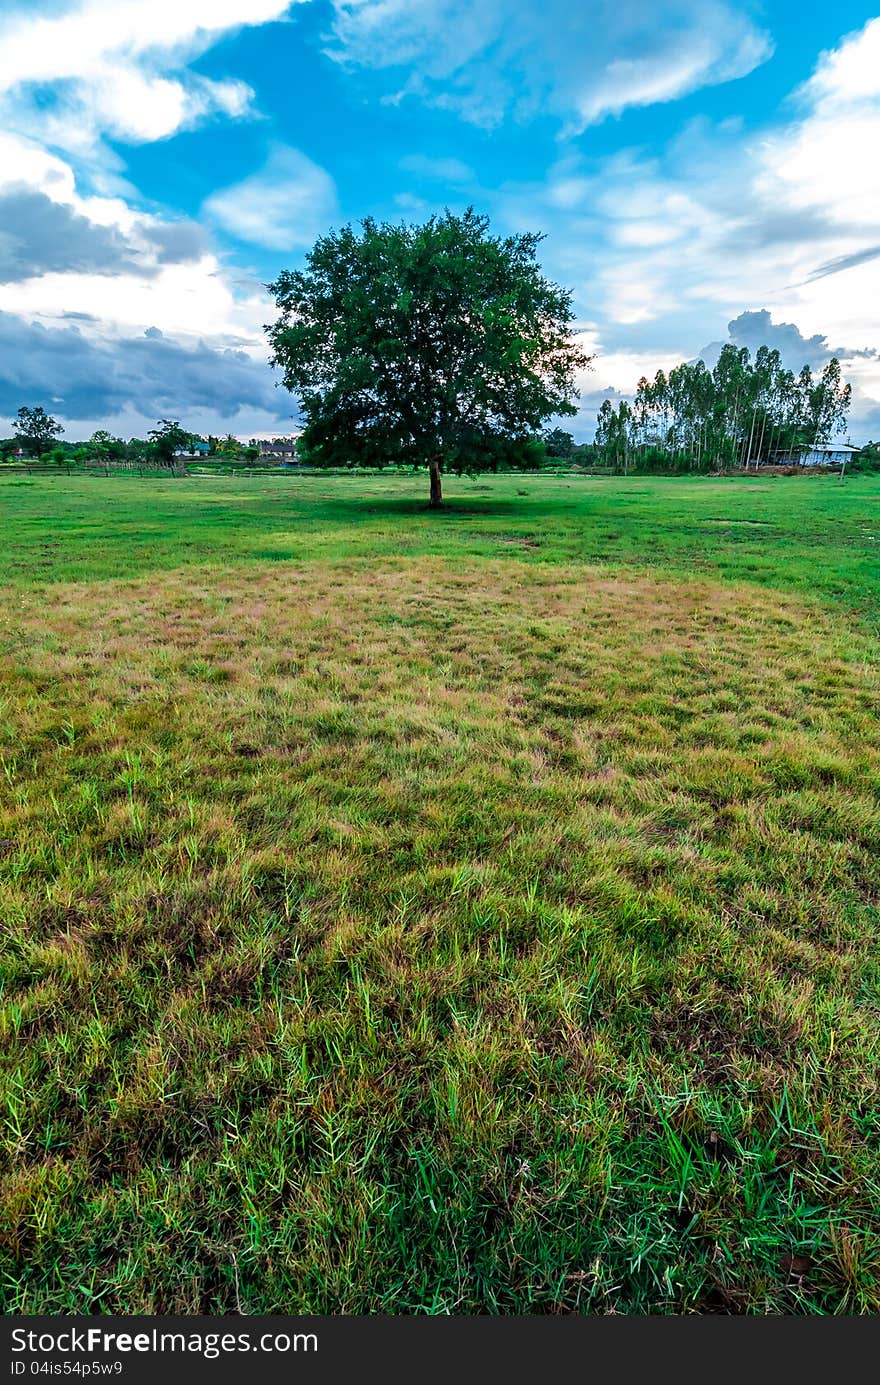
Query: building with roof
x=825 y=454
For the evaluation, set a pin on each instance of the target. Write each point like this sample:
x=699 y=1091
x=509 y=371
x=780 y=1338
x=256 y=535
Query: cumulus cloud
x=484 y=58
x=753 y=329
x=118 y=67
x=106 y=309
x=657 y=247
x=284 y=206
x=64 y=254
x=147 y=375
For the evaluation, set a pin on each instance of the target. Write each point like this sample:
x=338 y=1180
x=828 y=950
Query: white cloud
x=828 y=160
x=97 y=282
x=284 y=206
x=847 y=75
x=444 y=170
x=120 y=307
x=118 y=67
x=664 y=250
x=580 y=63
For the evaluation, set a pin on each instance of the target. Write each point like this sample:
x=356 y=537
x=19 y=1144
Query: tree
x=35 y=430
x=829 y=402
x=740 y=412
x=616 y=430
x=229 y=446
x=168 y=438
x=558 y=443
x=105 y=448
x=423 y=344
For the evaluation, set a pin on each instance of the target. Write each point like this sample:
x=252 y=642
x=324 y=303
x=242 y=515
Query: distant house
x=824 y=454
x=284 y=449
x=195 y=449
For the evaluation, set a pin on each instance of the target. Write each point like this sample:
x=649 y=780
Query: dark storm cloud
x=150 y=374
x=39 y=236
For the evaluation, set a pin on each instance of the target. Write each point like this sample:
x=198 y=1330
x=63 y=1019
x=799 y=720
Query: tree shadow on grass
x=409 y=507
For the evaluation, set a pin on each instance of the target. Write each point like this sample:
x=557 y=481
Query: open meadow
x=459 y=912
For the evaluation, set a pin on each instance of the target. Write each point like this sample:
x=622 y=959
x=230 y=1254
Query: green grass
x=439 y=913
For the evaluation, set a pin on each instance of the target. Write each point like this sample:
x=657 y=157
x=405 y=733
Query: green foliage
x=558 y=443
x=424 y=345
x=229 y=446
x=867 y=459
x=104 y=447
x=36 y=431
x=739 y=414
x=167 y=438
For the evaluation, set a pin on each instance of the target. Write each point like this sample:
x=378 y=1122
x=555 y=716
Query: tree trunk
x=436 y=485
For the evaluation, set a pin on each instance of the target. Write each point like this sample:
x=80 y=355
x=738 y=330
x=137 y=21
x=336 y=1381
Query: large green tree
x=438 y=345
x=35 y=430
x=168 y=438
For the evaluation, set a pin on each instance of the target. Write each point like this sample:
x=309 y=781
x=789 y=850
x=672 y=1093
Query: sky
x=703 y=170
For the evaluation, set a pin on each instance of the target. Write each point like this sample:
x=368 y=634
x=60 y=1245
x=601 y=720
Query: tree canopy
x=438 y=345
x=742 y=411
x=35 y=430
x=168 y=437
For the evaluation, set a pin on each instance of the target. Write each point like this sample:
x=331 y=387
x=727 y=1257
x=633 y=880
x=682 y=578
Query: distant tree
x=251 y=453
x=829 y=403
x=167 y=438
x=615 y=433
x=558 y=443
x=869 y=457
x=104 y=447
x=741 y=412
x=35 y=430
x=229 y=446
x=138 y=449
x=423 y=344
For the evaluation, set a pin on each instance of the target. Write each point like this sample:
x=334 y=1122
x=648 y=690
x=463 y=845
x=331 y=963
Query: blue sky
x=704 y=170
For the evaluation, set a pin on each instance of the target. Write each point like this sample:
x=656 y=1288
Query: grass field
x=440 y=913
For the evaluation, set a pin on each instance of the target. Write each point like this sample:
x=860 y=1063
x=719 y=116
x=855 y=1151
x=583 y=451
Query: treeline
x=38 y=436
x=741 y=413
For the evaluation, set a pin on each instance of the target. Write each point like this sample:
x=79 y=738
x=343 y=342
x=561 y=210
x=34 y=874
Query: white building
x=282 y=448
x=825 y=454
